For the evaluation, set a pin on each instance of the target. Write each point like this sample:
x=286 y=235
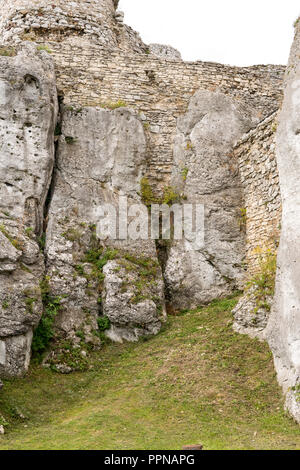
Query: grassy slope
x=197 y=381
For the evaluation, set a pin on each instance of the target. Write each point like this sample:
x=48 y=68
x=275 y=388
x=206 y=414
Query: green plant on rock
x=5 y=304
x=70 y=140
x=103 y=323
x=169 y=197
x=65 y=354
x=263 y=283
x=14 y=241
x=116 y=105
x=99 y=258
x=44 y=47
x=184 y=173
x=44 y=332
x=7 y=52
x=29 y=231
x=146 y=193
x=29 y=302
x=147 y=270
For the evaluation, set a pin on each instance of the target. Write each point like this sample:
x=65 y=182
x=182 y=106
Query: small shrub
x=44 y=332
x=184 y=173
x=103 y=323
x=146 y=193
x=5 y=305
x=263 y=283
x=70 y=140
x=169 y=197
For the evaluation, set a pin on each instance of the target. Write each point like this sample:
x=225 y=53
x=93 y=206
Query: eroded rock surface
x=28 y=112
x=101 y=156
x=164 y=52
x=283 y=330
x=206 y=172
x=250 y=315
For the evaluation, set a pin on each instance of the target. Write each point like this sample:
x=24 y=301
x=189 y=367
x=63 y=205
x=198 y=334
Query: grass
x=7 y=52
x=196 y=382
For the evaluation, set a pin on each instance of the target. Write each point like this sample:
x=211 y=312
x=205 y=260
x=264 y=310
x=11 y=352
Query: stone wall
x=159 y=89
x=99 y=61
x=261 y=214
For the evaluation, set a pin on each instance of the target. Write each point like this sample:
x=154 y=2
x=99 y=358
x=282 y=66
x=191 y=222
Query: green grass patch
x=7 y=52
x=197 y=381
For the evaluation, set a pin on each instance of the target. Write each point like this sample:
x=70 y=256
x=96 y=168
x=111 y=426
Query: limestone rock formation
x=101 y=156
x=206 y=172
x=93 y=20
x=283 y=330
x=165 y=52
x=28 y=112
x=250 y=317
x=127 y=111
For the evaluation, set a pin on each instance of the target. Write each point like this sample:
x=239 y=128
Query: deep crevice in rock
x=50 y=193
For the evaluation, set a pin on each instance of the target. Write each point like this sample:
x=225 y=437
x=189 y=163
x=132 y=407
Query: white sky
x=235 y=32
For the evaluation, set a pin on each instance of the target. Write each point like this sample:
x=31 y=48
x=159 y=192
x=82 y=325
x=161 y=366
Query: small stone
x=2 y=430
x=193 y=447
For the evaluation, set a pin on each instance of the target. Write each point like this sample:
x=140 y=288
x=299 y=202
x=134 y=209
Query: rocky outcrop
x=83 y=284
x=101 y=156
x=206 y=173
x=164 y=52
x=283 y=330
x=28 y=112
x=251 y=315
x=79 y=21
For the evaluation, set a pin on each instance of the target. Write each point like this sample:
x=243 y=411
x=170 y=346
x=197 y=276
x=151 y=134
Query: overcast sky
x=235 y=32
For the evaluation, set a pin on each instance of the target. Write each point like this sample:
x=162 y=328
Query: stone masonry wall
x=261 y=214
x=100 y=60
x=159 y=89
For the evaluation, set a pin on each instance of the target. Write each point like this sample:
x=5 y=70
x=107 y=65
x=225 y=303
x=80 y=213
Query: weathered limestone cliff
x=131 y=114
x=205 y=138
x=28 y=117
x=101 y=155
x=283 y=331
